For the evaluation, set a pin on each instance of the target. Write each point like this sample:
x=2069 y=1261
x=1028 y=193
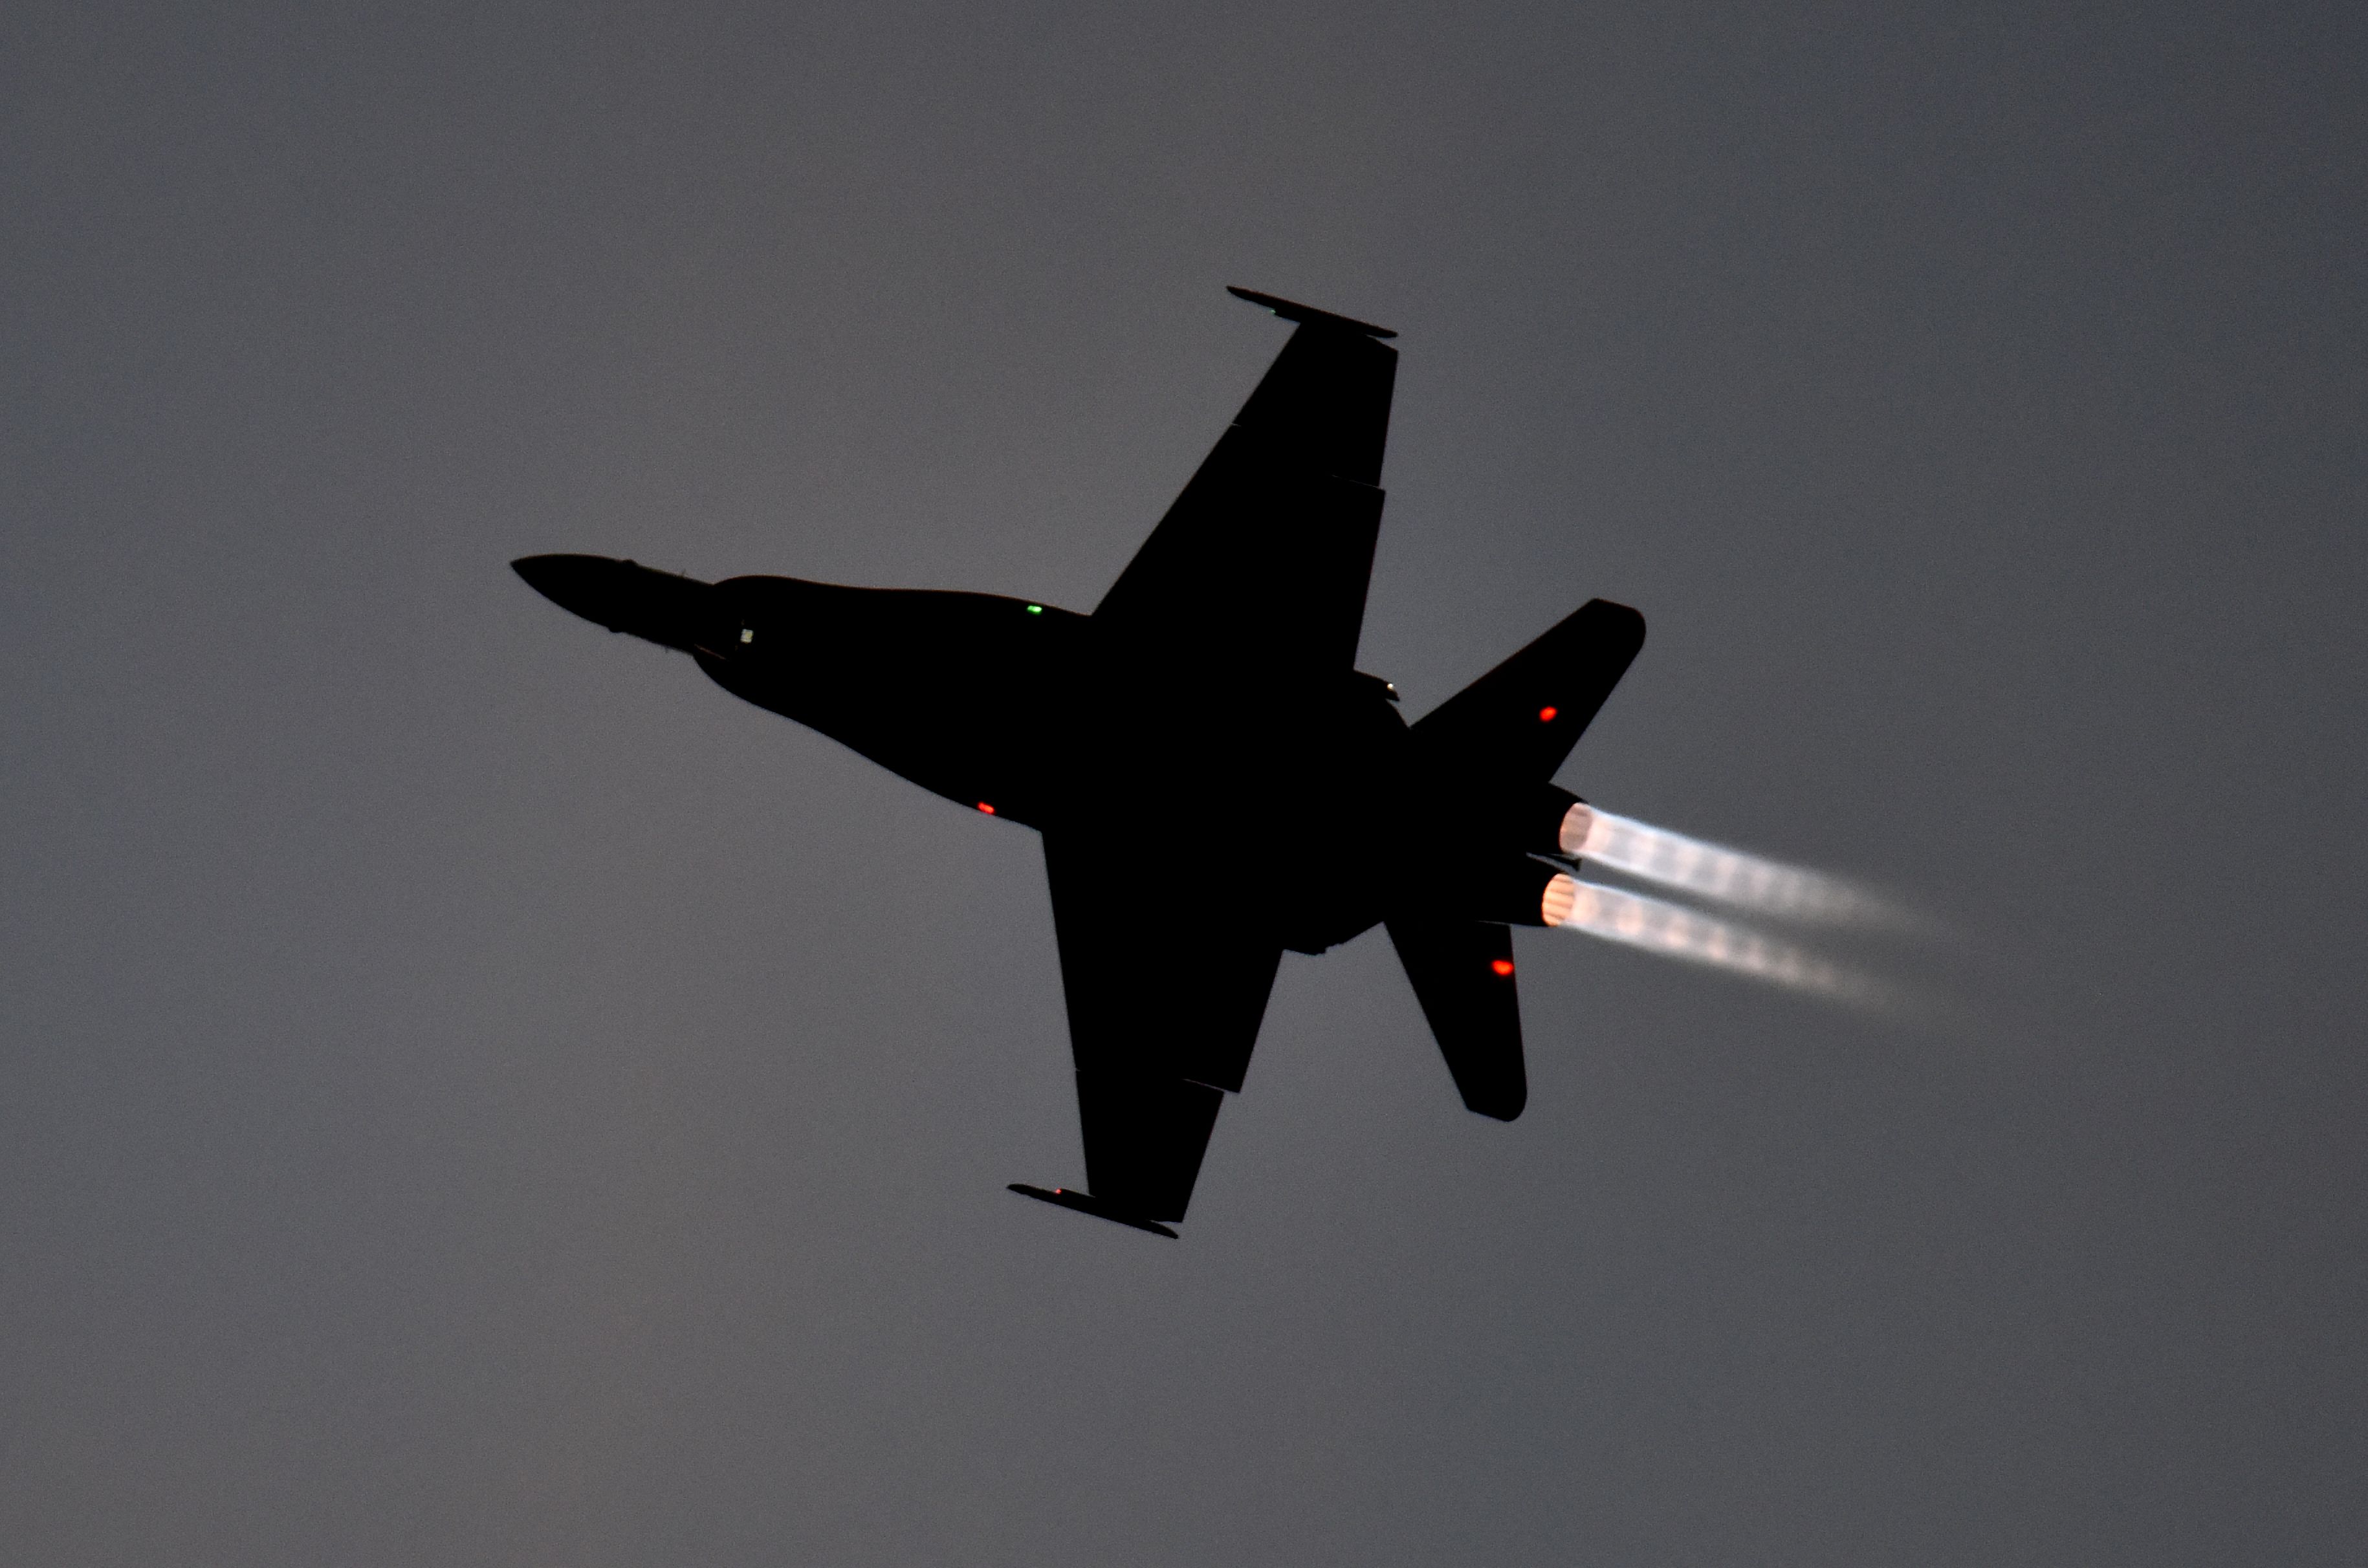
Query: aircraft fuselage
x=1281 y=792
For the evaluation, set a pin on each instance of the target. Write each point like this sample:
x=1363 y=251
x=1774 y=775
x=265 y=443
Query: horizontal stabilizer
x=1520 y=720
x=1462 y=975
x=1307 y=315
x=1087 y=1203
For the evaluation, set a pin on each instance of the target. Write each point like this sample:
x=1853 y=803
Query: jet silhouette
x=1214 y=780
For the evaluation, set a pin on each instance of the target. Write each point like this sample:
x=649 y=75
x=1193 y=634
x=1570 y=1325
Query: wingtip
x=1086 y=1203
x=1307 y=315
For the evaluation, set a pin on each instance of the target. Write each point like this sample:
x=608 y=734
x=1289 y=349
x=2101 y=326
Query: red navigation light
x=987 y=808
x=1545 y=715
x=1502 y=966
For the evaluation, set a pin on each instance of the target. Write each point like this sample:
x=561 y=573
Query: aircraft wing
x=1263 y=561
x=1163 y=1011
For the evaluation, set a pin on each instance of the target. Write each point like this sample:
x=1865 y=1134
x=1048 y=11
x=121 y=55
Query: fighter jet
x=1208 y=771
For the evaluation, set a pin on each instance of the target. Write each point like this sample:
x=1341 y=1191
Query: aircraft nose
x=562 y=579
x=625 y=595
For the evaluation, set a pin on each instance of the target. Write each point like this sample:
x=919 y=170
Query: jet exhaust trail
x=1715 y=872
x=1635 y=920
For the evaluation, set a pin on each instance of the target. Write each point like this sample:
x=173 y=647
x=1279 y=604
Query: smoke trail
x=1713 y=871
x=1657 y=927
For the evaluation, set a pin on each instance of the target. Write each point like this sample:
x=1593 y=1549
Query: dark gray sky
x=474 y=1093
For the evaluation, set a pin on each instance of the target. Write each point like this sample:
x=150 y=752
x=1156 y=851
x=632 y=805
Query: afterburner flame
x=1634 y=920
x=1715 y=872
x=1561 y=896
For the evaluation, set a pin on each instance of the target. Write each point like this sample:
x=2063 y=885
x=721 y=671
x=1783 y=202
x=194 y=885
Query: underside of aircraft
x=1198 y=752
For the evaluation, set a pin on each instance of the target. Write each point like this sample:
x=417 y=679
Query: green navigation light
x=1035 y=609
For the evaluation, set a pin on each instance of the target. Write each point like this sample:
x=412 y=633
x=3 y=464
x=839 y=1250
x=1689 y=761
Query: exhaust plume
x=1635 y=920
x=1715 y=872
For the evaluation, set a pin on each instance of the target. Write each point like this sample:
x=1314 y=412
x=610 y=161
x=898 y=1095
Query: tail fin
x=1521 y=718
